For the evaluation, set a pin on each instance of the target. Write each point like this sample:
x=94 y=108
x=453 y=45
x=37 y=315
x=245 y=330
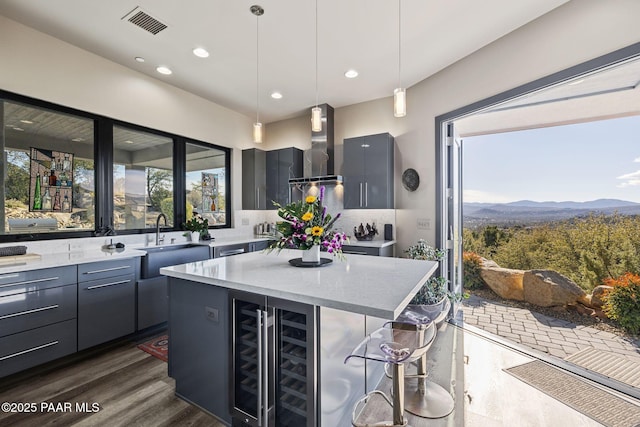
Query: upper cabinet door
x=254 y=179
x=368 y=172
x=282 y=165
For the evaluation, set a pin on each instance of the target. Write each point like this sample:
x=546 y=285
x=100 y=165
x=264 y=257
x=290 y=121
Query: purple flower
x=324 y=212
x=330 y=250
x=321 y=196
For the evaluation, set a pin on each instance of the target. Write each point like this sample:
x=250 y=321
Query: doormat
x=594 y=402
x=609 y=364
x=157 y=347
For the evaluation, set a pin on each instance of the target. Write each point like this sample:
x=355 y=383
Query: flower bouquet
x=198 y=224
x=307 y=224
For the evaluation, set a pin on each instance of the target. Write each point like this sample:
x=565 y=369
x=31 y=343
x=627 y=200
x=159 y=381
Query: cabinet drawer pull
x=20 y=353
x=26 y=282
x=355 y=252
x=104 y=285
x=35 y=310
x=232 y=252
x=124 y=267
x=9 y=276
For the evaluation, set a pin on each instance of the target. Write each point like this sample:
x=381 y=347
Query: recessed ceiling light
x=26 y=122
x=163 y=70
x=139 y=59
x=10 y=126
x=77 y=139
x=201 y=52
x=18 y=129
x=128 y=142
x=276 y=95
x=351 y=74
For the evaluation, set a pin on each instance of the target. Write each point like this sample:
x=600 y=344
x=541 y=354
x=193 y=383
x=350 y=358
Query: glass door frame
x=446 y=172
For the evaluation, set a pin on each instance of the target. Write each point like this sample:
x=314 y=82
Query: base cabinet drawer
x=37 y=346
x=29 y=310
x=368 y=250
x=106 y=310
x=105 y=269
x=24 y=281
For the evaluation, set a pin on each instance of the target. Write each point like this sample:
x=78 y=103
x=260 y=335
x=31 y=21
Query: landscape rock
x=504 y=281
x=548 y=288
x=597 y=297
x=487 y=263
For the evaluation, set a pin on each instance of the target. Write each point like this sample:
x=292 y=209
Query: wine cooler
x=273 y=369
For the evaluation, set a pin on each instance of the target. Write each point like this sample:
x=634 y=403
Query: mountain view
x=530 y=212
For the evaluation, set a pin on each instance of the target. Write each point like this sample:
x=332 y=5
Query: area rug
x=594 y=402
x=157 y=347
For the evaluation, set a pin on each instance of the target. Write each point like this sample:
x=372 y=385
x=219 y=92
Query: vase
x=195 y=236
x=312 y=254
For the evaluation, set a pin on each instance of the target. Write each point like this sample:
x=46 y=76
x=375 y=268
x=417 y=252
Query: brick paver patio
x=553 y=336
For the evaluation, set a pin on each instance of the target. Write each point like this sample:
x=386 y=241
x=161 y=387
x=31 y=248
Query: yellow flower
x=310 y=199
x=317 y=231
x=307 y=216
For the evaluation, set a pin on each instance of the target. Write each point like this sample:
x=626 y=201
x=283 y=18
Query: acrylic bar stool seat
x=423 y=397
x=393 y=346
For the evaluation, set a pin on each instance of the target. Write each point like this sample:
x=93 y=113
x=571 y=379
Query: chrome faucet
x=158 y=239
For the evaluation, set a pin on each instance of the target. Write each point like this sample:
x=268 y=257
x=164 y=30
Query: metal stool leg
x=425 y=398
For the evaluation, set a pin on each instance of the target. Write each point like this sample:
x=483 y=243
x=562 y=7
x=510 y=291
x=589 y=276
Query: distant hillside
x=527 y=211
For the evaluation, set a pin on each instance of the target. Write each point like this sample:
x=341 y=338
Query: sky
x=580 y=162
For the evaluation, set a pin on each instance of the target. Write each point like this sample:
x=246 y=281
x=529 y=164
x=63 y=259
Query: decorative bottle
x=46 y=201
x=37 y=197
x=66 y=164
x=66 y=206
x=53 y=178
x=45 y=178
x=56 y=201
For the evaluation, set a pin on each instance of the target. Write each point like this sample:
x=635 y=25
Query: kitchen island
x=254 y=338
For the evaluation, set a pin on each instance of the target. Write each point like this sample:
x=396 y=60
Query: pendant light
x=316 y=112
x=399 y=94
x=257 y=126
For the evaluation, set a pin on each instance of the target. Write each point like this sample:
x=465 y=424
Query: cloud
x=636 y=160
x=630 y=180
x=477 y=196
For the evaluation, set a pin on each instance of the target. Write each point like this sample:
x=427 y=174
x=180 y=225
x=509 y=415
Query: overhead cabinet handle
x=360 y=194
x=105 y=285
x=366 y=194
x=35 y=310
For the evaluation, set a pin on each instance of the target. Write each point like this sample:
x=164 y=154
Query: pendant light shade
x=257 y=126
x=399 y=102
x=316 y=119
x=257 y=133
x=399 y=94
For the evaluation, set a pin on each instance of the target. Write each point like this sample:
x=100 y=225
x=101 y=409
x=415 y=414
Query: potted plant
x=435 y=291
x=197 y=226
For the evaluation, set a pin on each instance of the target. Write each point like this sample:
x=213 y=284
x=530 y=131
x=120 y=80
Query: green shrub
x=166 y=207
x=472 y=262
x=622 y=303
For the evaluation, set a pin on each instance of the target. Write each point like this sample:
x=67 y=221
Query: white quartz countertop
x=61 y=259
x=235 y=241
x=374 y=286
x=370 y=243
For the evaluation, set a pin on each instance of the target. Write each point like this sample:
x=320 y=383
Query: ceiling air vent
x=144 y=21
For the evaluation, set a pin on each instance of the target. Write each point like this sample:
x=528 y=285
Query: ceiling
x=352 y=34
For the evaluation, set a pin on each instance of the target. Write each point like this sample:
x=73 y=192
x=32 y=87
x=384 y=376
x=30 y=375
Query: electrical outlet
x=245 y=221
x=424 y=224
x=212 y=313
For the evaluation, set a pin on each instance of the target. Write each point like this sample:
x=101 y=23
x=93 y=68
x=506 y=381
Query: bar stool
x=423 y=397
x=393 y=344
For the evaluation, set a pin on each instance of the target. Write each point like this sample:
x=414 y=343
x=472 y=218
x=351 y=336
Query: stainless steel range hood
x=319 y=163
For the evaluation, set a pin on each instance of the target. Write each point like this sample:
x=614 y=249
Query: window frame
x=103 y=170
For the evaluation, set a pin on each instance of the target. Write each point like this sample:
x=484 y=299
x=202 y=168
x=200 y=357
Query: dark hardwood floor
x=130 y=386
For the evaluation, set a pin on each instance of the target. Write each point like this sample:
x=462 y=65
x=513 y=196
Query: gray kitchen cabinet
x=37 y=317
x=106 y=305
x=368 y=172
x=281 y=165
x=254 y=179
x=239 y=248
x=153 y=302
x=200 y=366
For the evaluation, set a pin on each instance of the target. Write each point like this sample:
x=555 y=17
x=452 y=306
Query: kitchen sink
x=162 y=256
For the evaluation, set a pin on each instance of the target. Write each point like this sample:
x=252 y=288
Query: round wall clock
x=410 y=179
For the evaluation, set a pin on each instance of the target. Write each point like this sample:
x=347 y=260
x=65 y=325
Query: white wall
x=571 y=34
x=37 y=65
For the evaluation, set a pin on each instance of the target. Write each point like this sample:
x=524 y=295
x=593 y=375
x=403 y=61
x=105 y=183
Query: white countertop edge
x=306 y=299
x=62 y=259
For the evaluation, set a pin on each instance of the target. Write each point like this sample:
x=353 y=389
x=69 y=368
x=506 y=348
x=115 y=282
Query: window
x=49 y=180
x=206 y=183
x=142 y=178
